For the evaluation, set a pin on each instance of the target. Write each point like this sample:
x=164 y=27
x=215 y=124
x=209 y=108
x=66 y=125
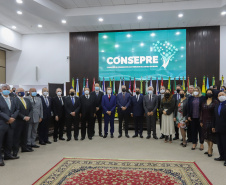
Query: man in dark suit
x=99 y=109
x=160 y=97
x=13 y=93
x=177 y=97
x=219 y=127
x=72 y=108
x=137 y=112
x=88 y=112
x=21 y=123
x=215 y=92
x=8 y=114
x=109 y=104
x=59 y=114
x=123 y=102
x=43 y=128
x=150 y=103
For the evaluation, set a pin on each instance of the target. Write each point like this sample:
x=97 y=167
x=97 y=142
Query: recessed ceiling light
x=139 y=17
x=142 y=44
x=116 y=45
x=14 y=27
x=180 y=15
x=178 y=33
x=223 y=13
x=100 y=19
x=19 y=1
x=64 y=21
x=40 y=26
x=105 y=36
x=19 y=12
x=153 y=34
x=128 y=35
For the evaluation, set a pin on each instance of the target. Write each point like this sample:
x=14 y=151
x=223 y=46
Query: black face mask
x=137 y=92
x=167 y=95
x=182 y=95
x=14 y=91
x=209 y=95
x=72 y=93
x=123 y=89
x=178 y=90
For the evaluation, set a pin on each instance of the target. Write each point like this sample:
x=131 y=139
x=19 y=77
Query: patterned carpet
x=79 y=171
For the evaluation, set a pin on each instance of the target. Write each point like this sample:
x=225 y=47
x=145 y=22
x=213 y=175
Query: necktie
x=61 y=101
x=47 y=103
x=109 y=97
x=219 y=109
x=73 y=101
x=124 y=96
x=178 y=96
x=23 y=102
x=137 y=97
x=8 y=103
x=97 y=94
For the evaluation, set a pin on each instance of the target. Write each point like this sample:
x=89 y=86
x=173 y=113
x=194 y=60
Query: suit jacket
x=137 y=107
x=150 y=105
x=13 y=95
x=109 y=105
x=58 y=108
x=22 y=111
x=220 y=120
x=46 y=110
x=88 y=105
x=37 y=111
x=5 y=112
x=69 y=107
x=98 y=99
x=123 y=102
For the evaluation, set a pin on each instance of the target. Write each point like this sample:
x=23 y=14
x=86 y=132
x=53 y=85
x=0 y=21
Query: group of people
x=23 y=117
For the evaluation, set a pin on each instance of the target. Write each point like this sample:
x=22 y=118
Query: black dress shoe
x=141 y=136
x=27 y=150
x=55 y=139
x=120 y=135
x=112 y=136
x=68 y=139
x=162 y=137
x=210 y=155
x=48 y=142
x=105 y=136
x=219 y=159
x=101 y=135
x=175 y=138
x=127 y=135
x=82 y=138
x=90 y=138
x=155 y=137
x=206 y=153
x=35 y=146
x=42 y=143
x=11 y=157
x=61 y=139
x=225 y=163
x=76 y=139
x=135 y=136
x=2 y=163
x=148 y=137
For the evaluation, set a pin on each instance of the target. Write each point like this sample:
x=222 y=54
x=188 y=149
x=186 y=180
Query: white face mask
x=109 y=91
x=45 y=93
x=59 y=93
x=222 y=98
x=196 y=93
x=150 y=92
x=86 y=92
x=162 y=91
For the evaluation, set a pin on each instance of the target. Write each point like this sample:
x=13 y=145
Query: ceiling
x=83 y=15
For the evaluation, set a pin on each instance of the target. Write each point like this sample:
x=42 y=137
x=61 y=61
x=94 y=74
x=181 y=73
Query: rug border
x=126 y=160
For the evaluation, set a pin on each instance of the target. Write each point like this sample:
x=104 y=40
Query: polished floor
x=31 y=166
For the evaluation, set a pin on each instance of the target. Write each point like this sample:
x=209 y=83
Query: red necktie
x=109 y=96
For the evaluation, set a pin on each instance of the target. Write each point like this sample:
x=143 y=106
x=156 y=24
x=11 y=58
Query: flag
x=87 y=82
x=134 y=87
x=151 y=84
x=123 y=82
x=183 y=84
x=161 y=81
x=169 y=84
x=179 y=80
x=99 y=80
x=157 y=86
x=207 y=83
x=141 y=86
x=120 y=86
x=174 y=86
x=130 y=88
x=113 y=88
x=204 y=86
x=110 y=84
x=84 y=85
x=103 y=87
x=77 y=88
x=222 y=81
x=213 y=81
x=195 y=83
x=73 y=83
x=188 y=84
x=146 y=86
x=93 y=89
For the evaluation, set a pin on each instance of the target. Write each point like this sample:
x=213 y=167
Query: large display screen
x=142 y=54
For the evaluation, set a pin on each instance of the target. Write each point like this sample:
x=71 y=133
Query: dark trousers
x=160 y=120
x=58 y=128
x=108 y=119
x=87 y=119
x=123 y=116
x=99 y=119
x=151 y=125
x=6 y=139
x=189 y=131
x=221 y=144
x=72 y=120
x=43 y=130
x=196 y=129
x=20 y=136
x=138 y=125
x=176 y=131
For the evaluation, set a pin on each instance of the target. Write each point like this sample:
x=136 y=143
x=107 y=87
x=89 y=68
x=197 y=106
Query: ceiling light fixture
x=40 y=26
x=100 y=19
x=139 y=17
x=14 y=27
x=64 y=21
x=19 y=1
x=180 y=15
x=223 y=13
x=19 y=12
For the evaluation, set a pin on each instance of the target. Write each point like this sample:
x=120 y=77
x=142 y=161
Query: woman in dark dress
x=207 y=118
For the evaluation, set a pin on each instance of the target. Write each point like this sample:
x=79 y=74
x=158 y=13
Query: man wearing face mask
x=160 y=97
x=88 y=112
x=98 y=94
x=150 y=103
x=21 y=123
x=137 y=112
x=43 y=128
x=123 y=102
x=8 y=114
x=219 y=127
x=36 y=118
x=72 y=108
x=109 y=104
x=13 y=93
x=176 y=98
x=59 y=115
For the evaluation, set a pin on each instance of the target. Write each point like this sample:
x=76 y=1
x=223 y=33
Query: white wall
x=10 y=39
x=223 y=52
x=48 y=52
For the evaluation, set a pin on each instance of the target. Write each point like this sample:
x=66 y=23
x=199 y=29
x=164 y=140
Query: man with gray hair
x=8 y=114
x=150 y=103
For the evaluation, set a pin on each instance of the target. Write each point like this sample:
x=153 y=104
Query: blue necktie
x=8 y=103
x=219 y=109
x=73 y=102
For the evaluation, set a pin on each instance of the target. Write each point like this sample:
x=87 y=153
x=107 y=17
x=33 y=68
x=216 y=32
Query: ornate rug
x=78 y=171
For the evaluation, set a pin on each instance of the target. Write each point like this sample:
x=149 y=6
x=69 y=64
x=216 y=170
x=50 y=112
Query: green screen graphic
x=155 y=53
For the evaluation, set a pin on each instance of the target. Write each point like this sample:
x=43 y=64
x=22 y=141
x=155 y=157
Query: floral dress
x=180 y=118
